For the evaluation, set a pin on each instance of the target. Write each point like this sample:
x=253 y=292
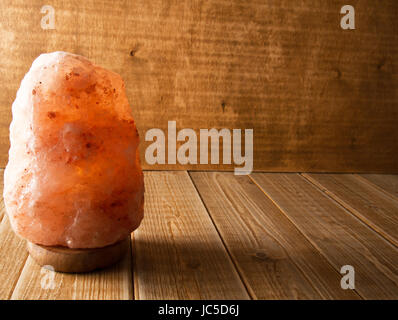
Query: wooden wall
x=318 y=98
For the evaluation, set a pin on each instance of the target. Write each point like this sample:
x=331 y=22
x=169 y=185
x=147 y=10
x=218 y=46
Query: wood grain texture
x=111 y=283
x=13 y=255
x=387 y=182
x=177 y=251
x=275 y=260
x=374 y=207
x=336 y=233
x=13 y=252
x=319 y=98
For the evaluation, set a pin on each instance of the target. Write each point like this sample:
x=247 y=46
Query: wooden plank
x=376 y=208
x=13 y=255
x=308 y=88
x=387 y=182
x=177 y=251
x=275 y=260
x=111 y=283
x=338 y=235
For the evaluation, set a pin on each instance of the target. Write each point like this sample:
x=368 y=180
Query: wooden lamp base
x=78 y=260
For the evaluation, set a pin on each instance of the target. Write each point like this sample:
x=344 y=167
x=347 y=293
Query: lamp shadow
x=184 y=269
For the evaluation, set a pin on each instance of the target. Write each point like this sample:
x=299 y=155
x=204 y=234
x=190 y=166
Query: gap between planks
x=165 y=267
x=387 y=183
x=249 y=290
x=178 y=251
x=375 y=208
x=273 y=257
x=37 y=283
x=341 y=237
x=86 y=284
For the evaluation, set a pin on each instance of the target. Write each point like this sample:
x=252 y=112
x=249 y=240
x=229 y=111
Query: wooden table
x=214 y=235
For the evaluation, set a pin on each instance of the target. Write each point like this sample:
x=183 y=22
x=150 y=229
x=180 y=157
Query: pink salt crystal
x=73 y=178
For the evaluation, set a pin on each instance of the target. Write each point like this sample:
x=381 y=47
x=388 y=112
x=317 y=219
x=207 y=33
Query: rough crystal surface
x=73 y=178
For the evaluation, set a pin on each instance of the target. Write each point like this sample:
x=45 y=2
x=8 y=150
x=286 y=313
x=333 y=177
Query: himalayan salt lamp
x=73 y=186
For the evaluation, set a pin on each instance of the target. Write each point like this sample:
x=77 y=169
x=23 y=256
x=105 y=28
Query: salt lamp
x=73 y=186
